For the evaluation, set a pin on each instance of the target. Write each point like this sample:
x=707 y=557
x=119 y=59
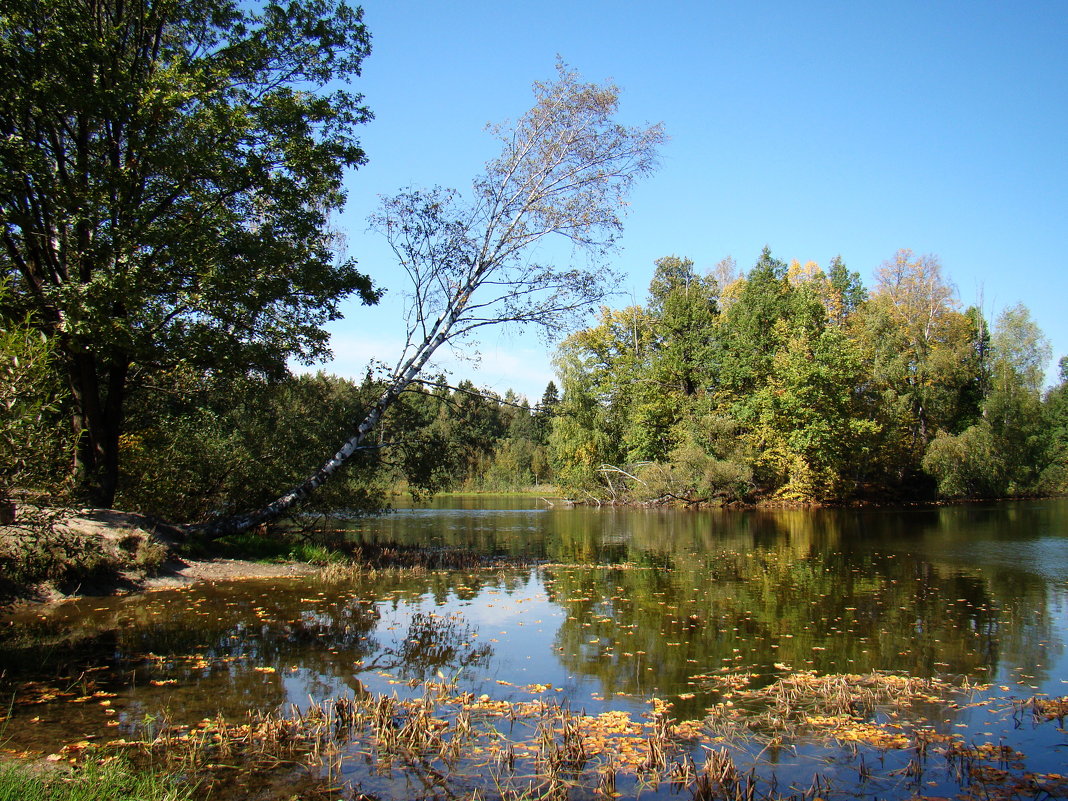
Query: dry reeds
x=446 y=743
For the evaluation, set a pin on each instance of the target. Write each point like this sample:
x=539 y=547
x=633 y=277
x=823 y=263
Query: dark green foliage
x=746 y=337
x=542 y=415
x=478 y=440
x=1055 y=408
x=167 y=173
x=797 y=385
x=32 y=400
x=849 y=288
x=969 y=464
x=200 y=443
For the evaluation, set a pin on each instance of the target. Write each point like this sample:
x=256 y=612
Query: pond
x=617 y=613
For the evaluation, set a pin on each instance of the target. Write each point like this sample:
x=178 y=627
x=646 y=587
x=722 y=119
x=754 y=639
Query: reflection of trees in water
x=519 y=532
x=211 y=638
x=636 y=629
x=433 y=643
x=924 y=591
x=876 y=589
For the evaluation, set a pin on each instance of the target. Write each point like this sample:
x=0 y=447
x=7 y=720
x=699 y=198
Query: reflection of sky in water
x=1046 y=558
x=952 y=590
x=521 y=626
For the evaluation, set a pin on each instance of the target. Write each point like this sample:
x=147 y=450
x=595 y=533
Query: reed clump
x=537 y=748
x=441 y=742
x=804 y=701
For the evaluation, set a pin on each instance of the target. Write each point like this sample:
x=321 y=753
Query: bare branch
x=565 y=169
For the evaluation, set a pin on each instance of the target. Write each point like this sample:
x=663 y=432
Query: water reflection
x=632 y=604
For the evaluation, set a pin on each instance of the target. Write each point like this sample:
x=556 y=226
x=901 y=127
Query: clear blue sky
x=816 y=128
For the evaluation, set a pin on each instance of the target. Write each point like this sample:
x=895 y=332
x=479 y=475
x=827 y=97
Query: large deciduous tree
x=167 y=171
x=564 y=171
x=923 y=357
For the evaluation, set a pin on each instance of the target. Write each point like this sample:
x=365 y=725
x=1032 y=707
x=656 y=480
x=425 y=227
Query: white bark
x=566 y=169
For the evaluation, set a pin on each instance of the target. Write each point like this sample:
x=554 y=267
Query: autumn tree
x=922 y=358
x=167 y=174
x=1055 y=406
x=565 y=169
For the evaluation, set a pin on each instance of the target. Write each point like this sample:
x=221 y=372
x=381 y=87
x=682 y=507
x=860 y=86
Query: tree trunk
x=97 y=423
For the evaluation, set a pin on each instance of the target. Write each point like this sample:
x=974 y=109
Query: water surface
x=620 y=606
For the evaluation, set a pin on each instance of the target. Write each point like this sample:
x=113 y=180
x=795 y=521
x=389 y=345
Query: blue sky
x=817 y=129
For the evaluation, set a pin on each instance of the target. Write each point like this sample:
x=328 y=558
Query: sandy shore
x=119 y=534
x=179 y=572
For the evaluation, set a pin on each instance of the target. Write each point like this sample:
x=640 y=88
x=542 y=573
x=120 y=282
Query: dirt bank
x=141 y=554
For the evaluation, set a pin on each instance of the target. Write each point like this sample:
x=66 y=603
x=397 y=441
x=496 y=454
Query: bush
x=968 y=465
x=709 y=477
x=37 y=549
x=200 y=445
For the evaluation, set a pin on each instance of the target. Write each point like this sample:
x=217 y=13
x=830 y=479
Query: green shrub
x=199 y=445
x=968 y=465
x=38 y=549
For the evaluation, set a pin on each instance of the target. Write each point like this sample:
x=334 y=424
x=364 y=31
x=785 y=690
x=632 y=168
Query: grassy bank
x=110 y=780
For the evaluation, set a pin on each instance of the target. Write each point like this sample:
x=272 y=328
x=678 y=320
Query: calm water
x=626 y=605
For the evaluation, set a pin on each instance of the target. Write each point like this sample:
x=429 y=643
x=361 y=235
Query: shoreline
x=111 y=532
x=119 y=536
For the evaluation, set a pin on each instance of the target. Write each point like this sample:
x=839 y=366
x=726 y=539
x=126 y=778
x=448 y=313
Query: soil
x=115 y=530
x=177 y=572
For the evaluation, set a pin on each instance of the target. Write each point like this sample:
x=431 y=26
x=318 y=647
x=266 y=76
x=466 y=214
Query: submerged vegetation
x=443 y=742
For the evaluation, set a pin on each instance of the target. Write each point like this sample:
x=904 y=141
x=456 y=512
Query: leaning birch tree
x=565 y=170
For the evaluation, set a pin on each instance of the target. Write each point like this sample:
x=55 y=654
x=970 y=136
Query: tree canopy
x=565 y=169
x=167 y=175
x=792 y=383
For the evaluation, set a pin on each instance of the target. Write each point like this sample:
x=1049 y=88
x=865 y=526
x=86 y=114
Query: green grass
x=111 y=781
x=259 y=548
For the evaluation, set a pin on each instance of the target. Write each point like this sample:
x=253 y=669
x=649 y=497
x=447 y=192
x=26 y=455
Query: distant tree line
x=798 y=384
x=198 y=446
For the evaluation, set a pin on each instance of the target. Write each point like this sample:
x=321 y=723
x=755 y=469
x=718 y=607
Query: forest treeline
x=789 y=383
x=799 y=384
x=170 y=173
x=206 y=446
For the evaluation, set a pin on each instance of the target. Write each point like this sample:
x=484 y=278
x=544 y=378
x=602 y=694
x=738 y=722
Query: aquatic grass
x=450 y=743
x=844 y=703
